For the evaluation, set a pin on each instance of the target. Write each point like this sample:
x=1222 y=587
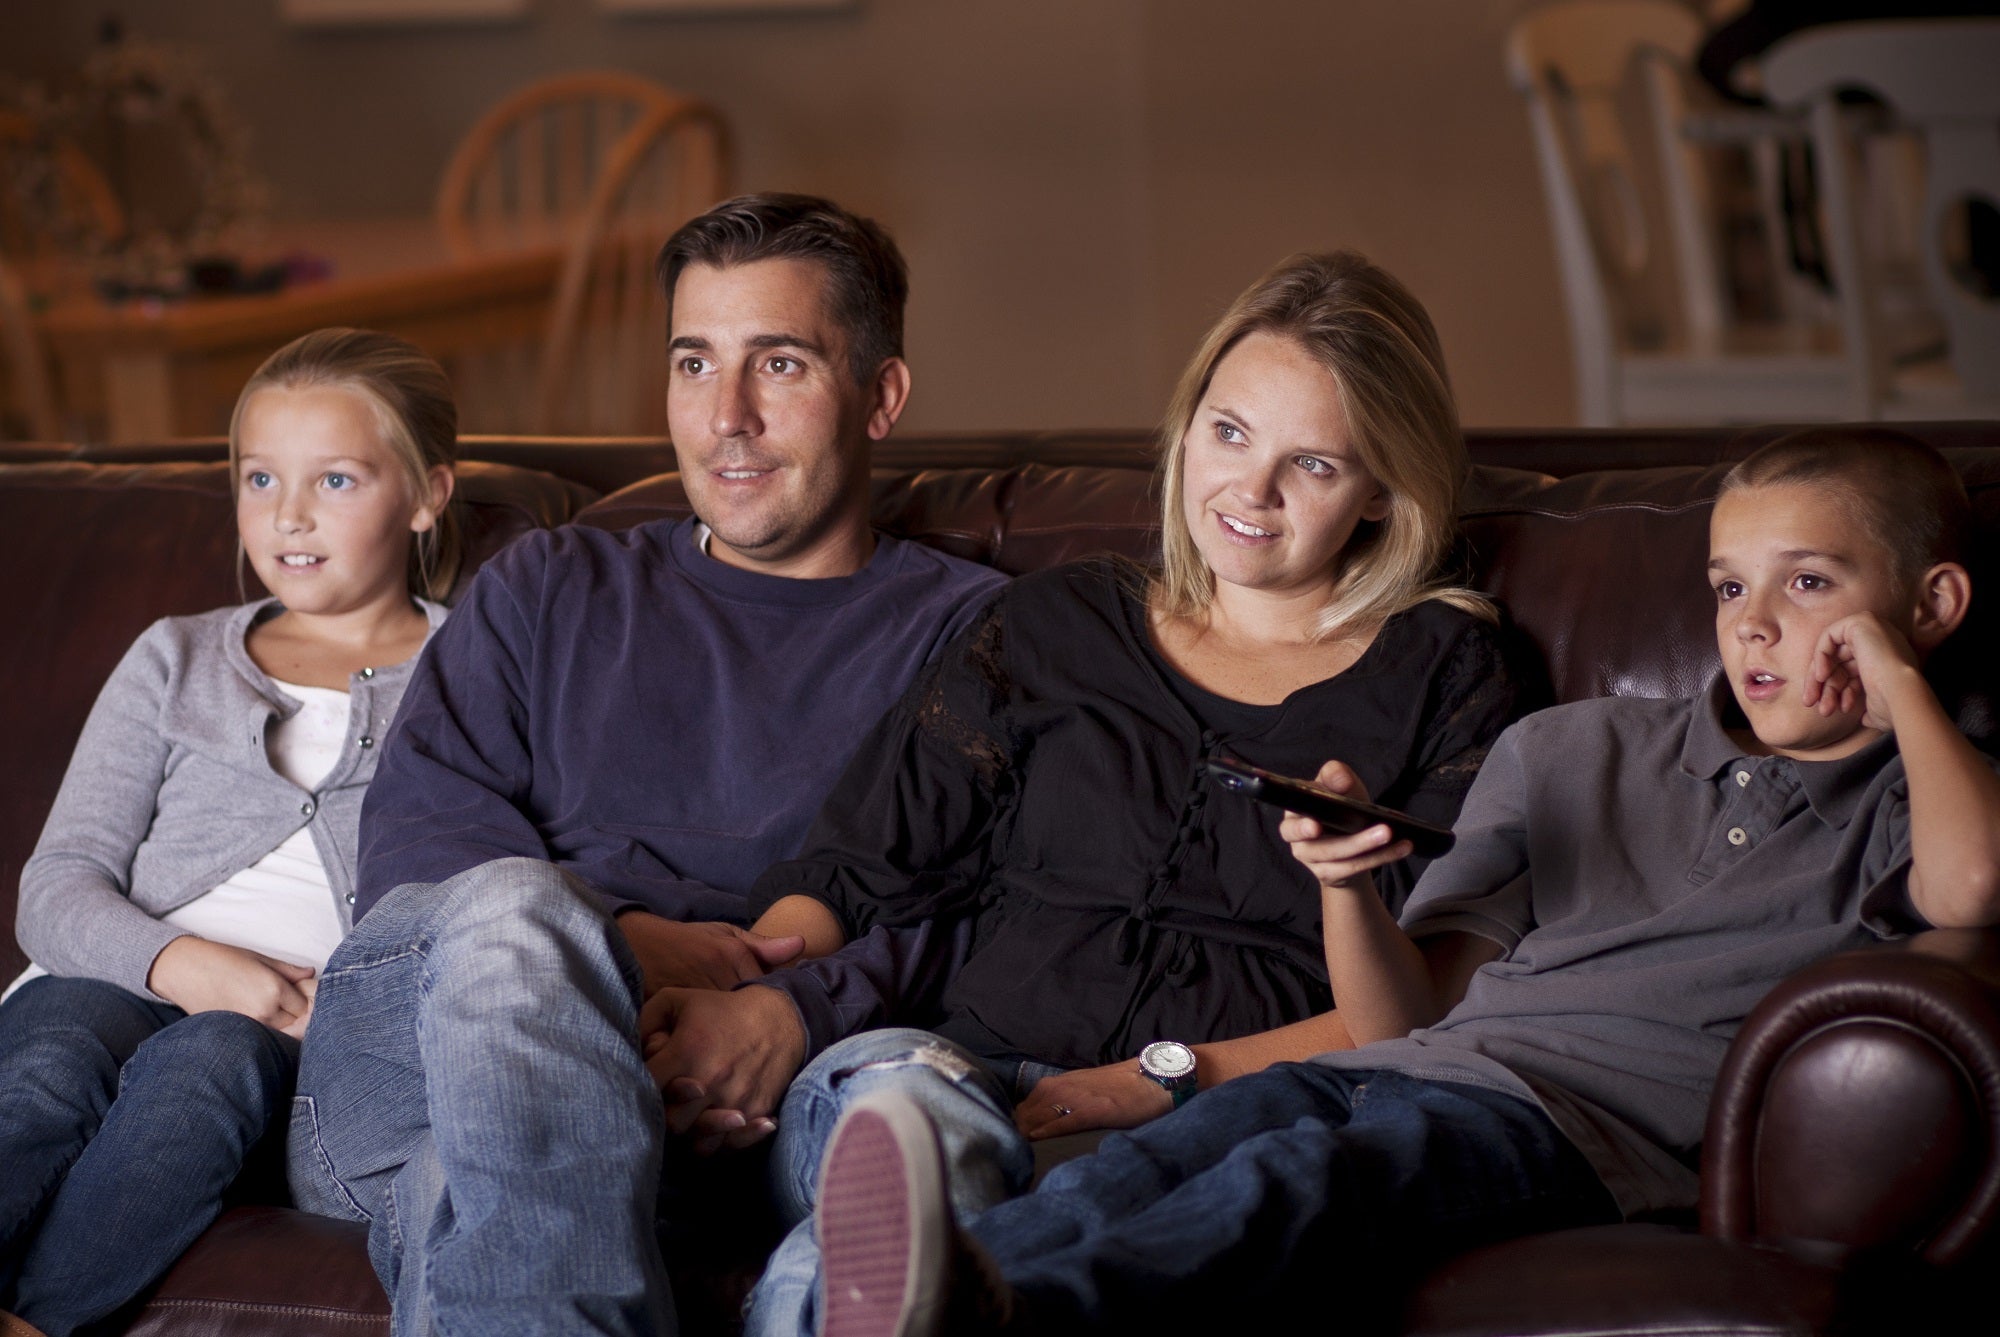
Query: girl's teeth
x=1242 y=528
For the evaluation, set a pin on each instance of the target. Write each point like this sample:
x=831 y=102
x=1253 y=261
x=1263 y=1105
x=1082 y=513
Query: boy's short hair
x=867 y=282
x=1901 y=490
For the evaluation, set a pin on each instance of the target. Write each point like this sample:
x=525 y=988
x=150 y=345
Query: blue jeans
x=971 y=1103
x=472 y=1089
x=1302 y=1188
x=122 y=1124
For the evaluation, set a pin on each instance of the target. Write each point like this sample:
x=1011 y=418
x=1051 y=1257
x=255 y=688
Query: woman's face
x=1270 y=488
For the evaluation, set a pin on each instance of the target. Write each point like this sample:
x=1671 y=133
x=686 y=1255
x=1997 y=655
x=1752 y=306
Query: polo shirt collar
x=1833 y=788
x=1708 y=748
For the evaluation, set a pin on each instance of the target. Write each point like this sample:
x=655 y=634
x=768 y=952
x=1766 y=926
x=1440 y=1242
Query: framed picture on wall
x=358 y=13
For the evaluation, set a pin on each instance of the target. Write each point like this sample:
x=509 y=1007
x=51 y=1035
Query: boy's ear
x=1944 y=593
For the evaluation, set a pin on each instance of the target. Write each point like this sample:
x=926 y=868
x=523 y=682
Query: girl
x=1127 y=932
x=196 y=869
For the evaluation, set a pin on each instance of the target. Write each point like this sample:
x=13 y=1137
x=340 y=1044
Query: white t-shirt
x=282 y=905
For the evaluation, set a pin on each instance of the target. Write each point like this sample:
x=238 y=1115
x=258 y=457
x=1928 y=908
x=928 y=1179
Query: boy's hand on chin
x=1855 y=667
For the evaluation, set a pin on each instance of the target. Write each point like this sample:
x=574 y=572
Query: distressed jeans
x=970 y=1103
x=471 y=1088
x=123 y=1122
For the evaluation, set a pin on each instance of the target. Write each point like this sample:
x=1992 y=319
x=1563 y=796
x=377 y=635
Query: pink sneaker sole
x=883 y=1223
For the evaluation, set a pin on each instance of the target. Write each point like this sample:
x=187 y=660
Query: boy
x=1539 y=1037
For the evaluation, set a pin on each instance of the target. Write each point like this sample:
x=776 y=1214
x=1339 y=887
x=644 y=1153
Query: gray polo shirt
x=1648 y=884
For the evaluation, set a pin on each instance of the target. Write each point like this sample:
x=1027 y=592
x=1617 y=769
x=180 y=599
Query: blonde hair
x=411 y=399
x=1378 y=345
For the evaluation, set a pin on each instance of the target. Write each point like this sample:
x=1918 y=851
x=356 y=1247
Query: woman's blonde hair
x=1376 y=342
x=411 y=398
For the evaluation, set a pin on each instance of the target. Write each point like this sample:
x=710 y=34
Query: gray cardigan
x=170 y=792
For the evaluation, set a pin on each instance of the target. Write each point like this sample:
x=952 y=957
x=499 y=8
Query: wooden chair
x=603 y=366
x=27 y=403
x=1942 y=78
x=524 y=175
x=1638 y=357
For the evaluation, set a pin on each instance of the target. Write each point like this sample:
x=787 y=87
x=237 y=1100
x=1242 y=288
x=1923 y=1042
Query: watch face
x=1167 y=1059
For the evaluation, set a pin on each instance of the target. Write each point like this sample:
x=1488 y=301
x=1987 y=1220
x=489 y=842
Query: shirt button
x=366 y=741
x=350 y=898
x=1742 y=778
x=1737 y=835
x=368 y=673
x=306 y=808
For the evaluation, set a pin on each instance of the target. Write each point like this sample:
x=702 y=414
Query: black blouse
x=1046 y=779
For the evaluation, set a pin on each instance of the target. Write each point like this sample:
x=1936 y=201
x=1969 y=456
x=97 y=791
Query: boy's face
x=1787 y=562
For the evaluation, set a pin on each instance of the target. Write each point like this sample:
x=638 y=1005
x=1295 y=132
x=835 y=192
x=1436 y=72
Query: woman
x=1042 y=794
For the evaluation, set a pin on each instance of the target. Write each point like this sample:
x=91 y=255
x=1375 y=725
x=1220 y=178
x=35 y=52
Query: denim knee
x=71 y=1036
x=528 y=912
x=964 y=1100
x=216 y=1058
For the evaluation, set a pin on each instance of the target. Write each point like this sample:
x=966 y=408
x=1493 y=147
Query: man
x=614 y=734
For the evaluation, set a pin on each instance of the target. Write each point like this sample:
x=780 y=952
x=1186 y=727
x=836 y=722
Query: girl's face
x=323 y=505
x=1271 y=490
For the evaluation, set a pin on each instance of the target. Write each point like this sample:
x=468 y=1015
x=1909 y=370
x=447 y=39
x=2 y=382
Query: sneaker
x=884 y=1224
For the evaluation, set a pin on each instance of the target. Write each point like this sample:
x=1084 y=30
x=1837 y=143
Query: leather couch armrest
x=1859 y=1106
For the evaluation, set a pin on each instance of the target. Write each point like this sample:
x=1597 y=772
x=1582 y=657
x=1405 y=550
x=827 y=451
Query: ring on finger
x=1062 y=1111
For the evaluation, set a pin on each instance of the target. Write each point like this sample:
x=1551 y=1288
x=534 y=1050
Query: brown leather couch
x=1851 y=1179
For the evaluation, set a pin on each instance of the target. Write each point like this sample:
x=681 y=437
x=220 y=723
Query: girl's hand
x=1115 y=1096
x=1854 y=655
x=197 y=975
x=1341 y=861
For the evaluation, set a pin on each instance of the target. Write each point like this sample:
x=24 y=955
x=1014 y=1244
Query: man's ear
x=1944 y=593
x=891 y=392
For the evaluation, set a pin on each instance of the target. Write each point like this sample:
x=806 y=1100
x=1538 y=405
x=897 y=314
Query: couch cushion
x=262 y=1270
x=1609 y=1281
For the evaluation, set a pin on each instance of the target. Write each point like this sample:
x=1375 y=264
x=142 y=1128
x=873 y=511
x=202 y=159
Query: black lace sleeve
x=906 y=834
x=1472 y=697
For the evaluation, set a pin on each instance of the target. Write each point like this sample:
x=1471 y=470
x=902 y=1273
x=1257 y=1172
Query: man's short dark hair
x=1905 y=495
x=867 y=283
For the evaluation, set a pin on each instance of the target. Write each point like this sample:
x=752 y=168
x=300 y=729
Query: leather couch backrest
x=1601 y=572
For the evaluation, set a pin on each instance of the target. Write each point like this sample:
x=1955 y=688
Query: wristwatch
x=1171 y=1064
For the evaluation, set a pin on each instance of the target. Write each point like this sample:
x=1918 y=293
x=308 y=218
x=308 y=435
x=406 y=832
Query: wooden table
x=150 y=369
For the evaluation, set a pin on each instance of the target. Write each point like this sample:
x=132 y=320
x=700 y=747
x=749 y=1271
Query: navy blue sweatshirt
x=657 y=722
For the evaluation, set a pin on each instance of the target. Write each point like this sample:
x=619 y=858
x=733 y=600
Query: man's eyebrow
x=798 y=341
x=695 y=343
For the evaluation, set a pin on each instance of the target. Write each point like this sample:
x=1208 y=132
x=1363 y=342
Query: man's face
x=771 y=430
x=1786 y=562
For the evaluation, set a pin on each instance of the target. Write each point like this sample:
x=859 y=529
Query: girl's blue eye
x=1314 y=465
x=338 y=481
x=257 y=478
x=1229 y=431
